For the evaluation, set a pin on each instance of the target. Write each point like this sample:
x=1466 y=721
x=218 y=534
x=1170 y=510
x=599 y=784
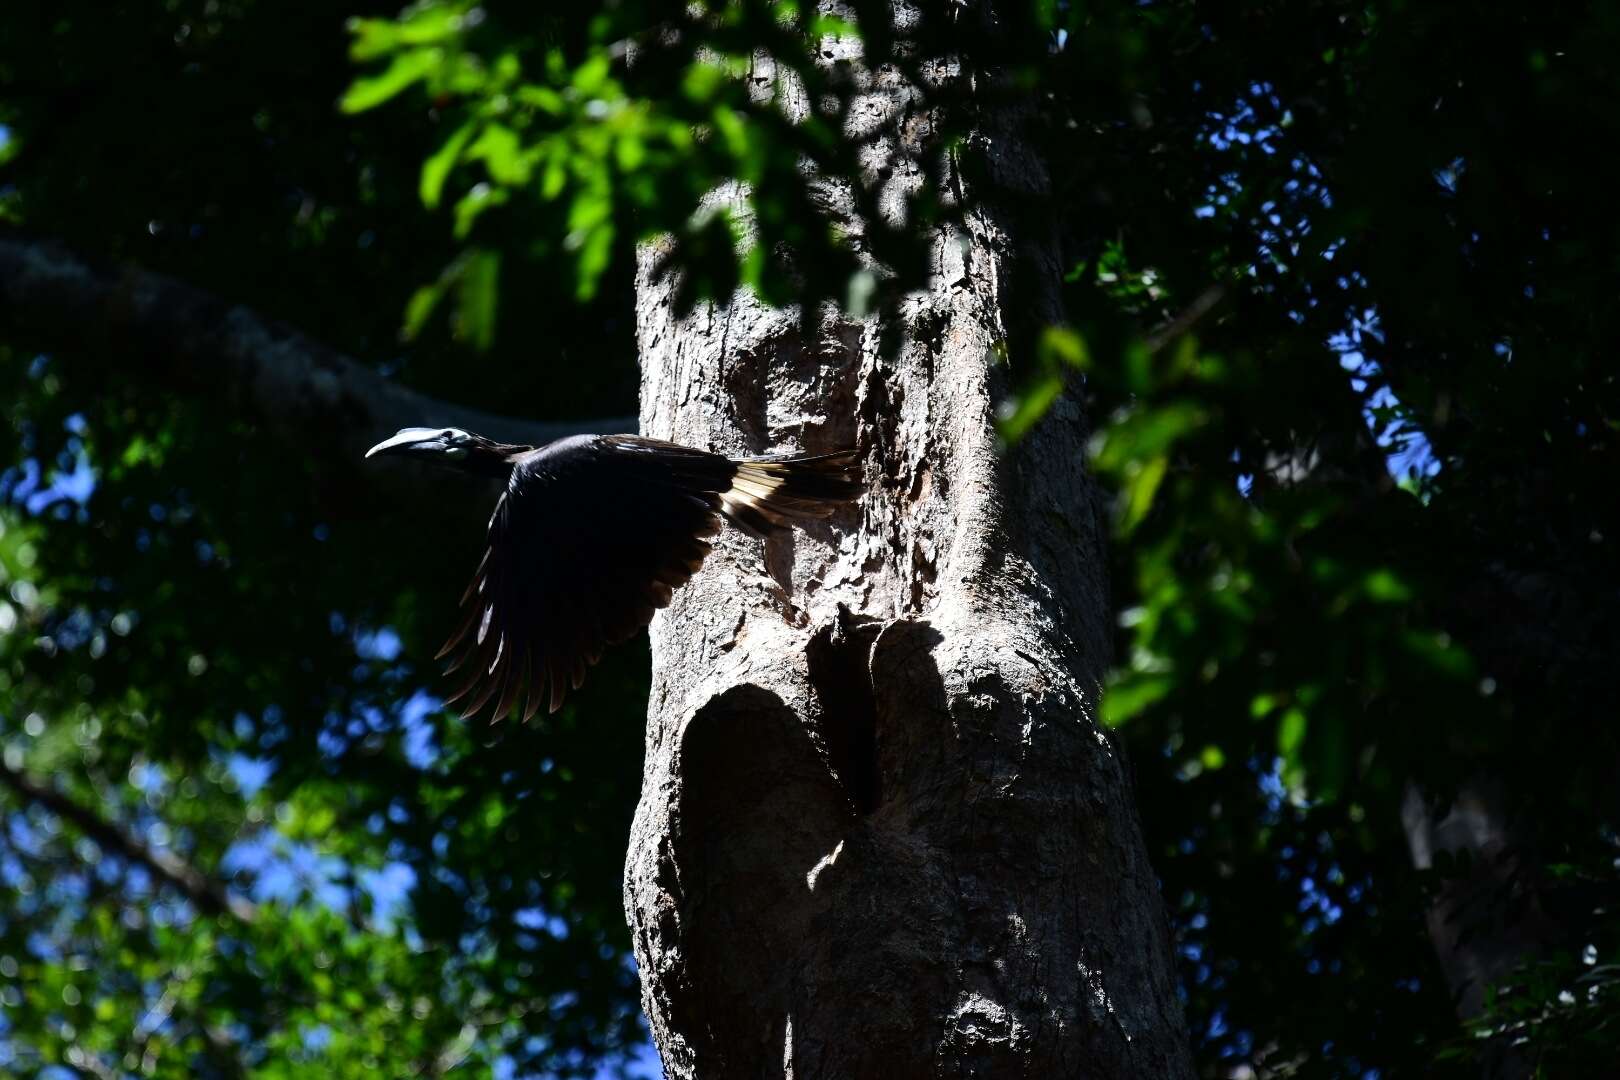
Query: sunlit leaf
x=477 y=298
x=502 y=153
x=404 y=71
x=1147 y=433
x=471 y=206
x=1028 y=407
x=1064 y=345
x=436 y=169
x=419 y=309
x=1291 y=732
x=1130 y=695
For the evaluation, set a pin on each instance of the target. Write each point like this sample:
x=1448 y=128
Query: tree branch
x=304 y=392
x=86 y=1063
x=208 y=895
x=1184 y=321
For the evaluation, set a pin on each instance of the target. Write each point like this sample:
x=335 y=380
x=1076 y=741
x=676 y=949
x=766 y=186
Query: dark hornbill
x=591 y=535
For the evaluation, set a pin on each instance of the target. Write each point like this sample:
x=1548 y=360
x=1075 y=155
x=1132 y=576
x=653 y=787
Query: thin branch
x=1189 y=317
x=86 y=1063
x=184 y=338
x=208 y=895
x=145 y=1050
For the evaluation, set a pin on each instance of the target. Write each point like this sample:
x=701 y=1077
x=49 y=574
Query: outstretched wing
x=584 y=546
x=593 y=535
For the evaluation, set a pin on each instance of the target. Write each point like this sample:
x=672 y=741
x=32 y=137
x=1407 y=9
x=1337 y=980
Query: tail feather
x=770 y=493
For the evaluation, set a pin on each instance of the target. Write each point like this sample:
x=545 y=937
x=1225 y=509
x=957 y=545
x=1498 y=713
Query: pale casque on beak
x=412 y=440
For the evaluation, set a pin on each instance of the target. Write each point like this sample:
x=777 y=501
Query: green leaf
x=704 y=81
x=436 y=169
x=1141 y=485
x=405 y=70
x=591 y=77
x=1291 y=733
x=427 y=25
x=594 y=256
x=1384 y=586
x=1438 y=653
x=1062 y=344
x=471 y=205
x=1132 y=694
x=733 y=129
x=543 y=98
x=477 y=298
x=501 y=151
x=630 y=151
x=555 y=176
x=375 y=38
x=1147 y=433
x=1025 y=410
x=420 y=308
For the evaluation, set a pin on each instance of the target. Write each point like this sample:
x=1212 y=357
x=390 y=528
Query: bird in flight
x=590 y=536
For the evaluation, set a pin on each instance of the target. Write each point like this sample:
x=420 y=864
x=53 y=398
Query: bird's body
x=591 y=536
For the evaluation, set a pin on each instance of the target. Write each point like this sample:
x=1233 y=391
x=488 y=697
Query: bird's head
x=449 y=446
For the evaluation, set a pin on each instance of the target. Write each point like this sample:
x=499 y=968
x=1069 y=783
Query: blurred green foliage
x=1343 y=321
x=198 y=627
x=1339 y=302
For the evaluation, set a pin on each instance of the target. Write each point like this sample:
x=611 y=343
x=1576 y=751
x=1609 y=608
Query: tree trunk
x=880 y=830
x=1485 y=917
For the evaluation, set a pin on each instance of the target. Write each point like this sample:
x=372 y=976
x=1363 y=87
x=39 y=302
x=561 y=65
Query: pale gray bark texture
x=881 y=832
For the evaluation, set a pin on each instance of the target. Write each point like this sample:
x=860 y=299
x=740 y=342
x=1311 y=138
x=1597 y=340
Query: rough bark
x=300 y=391
x=880 y=829
x=1486 y=917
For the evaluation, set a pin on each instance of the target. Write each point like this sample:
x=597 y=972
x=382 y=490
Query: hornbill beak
x=411 y=440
